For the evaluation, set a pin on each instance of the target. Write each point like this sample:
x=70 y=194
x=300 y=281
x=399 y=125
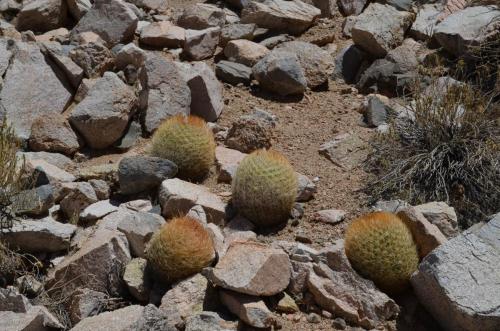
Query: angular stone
x=348 y=63
x=392 y=206
x=177 y=197
x=41 y=15
x=76 y=198
x=47 y=173
x=138 y=205
x=36 y=201
x=11 y=300
x=236 y=31
x=252 y=268
x=345 y=150
x=136 y=279
x=31 y=89
x=165 y=92
x=113 y=20
x=78 y=8
x=351 y=7
x=53 y=134
x=54 y=159
x=427 y=236
x=71 y=70
x=93 y=57
x=442 y=216
x=85 y=303
x=102 y=116
x=250 y=132
x=141 y=173
x=130 y=54
x=97 y=211
x=201 y=44
x=35 y=236
x=426 y=21
x=251 y=310
x=380 y=28
x=163 y=34
x=227 y=161
x=139 y=227
x=202 y=16
x=306 y=188
x=281 y=72
x=245 y=52
x=208 y=320
x=290 y=16
x=233 y=73
x=458 y=283
x=329 y=216
x=101 y=188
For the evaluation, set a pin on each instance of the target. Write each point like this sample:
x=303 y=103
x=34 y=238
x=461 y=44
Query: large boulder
x=233 y=73
x=426 y=21
x=53 y=134
x=380 y=28
x=41 y=15
x=103 y=115
x=202 y=16
x=288 y=16
x=113 y=20
x=165 y=91
x=163 y=34
x=442 y=216
x=467 y=27
x=245 y=51
x=459 y=282
x=31 y=88
x=252 y=268
x=251 y=310
x=201 y=44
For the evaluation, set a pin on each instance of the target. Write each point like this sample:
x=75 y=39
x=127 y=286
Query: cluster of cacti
x=181 y=248
x=381 y=248
x=188 y=142
x=265 y=188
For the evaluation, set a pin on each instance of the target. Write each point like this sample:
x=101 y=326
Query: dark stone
x=233 y=73
x=348 y=63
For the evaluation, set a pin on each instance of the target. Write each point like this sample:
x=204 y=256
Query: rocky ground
x=86 y=84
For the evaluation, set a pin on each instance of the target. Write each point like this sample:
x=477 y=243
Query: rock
x=94 y=58
x=53 y=134
x=41 y=15
x=233 y=73
x=245 y=52
x=142 y=173
x=108 y=252
x=202 y=16
x=29 y=285
x=85 y=303
x=36 y=201
x=227 y=161
x=384 y=77
x=163 y=34
x=102 y=116
x=314 y=61
x=107 y=172
x=78 y=8
x=97 y=211
x=407 y=55
x=136 y=279
x=130 y=54
x=72 y=71
x=208 y=320
x=31 y=89
x=165 y=92
x=467 y=27
x=11 y=300
x=139 y=227
x=427 y=236
x=253 y=269
x=328 y=7
x=442 y=216
x=35 y=236
x=236 y=31
x=77 y=198
x=345 y=150
x=280 y=72
x=113 y=20
x=392 y=206
x=251 y=310
x=198 y=213
x=347 y=295
x=458 y=283
x=249 y=133
x=36 y=318
x=290 y=16
x=375 y=112
x=177 y=197
x=272 y=42
x=238 y=224
x=348 y=63
x=201 y=44
x=133 y=317
x=313 y=318
x=380 y=28
x=101 y=188
x=55 y=159
x=138 y=205
x=207 y=100
x=351 y=7
x=306 y=189
x=426 y=21
x=287 y=305
x=187 y=298
x=329 y=216
x=46 y=173
x=148 y=5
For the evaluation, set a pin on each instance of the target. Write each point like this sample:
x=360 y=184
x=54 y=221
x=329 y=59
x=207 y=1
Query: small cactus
x=264 y=188
x=381 y=248
x=188 y=142
x=181 y=248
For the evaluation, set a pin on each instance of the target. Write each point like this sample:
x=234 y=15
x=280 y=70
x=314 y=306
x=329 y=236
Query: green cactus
x=265 y=188
x=188 y=142
x=381 y=248
x=181 y=248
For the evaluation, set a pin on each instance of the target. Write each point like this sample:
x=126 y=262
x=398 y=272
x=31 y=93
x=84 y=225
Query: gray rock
x=130 y=54
x=236 y=31
x=102 y=116
x=97 y=211
x=249 y=133
x=426 y=21
x=467 y=27
x=344 y=150
x=280 y=72
x=306 y=189
x=329 y=216
x=55 y=159
x=137 y=280
x=31 y=89
x=37 y=318
x=84 y=303
x=72 y=71
x=384 y=77
x=138 y=227
x=406 y=55
x=29 y=285
x=392 y=206
x=41 y=15
x=458 y=283
x=351 y=7
x=11 y=300
x=101 y=188
x=272 y=42
x=208 y=320
x=227 y=161
x=245 y=52
x=112 y=20
x=163 y=34
x=233 y=73
x=401 y=4
x=35 y=236
x=201 y=44
x=94 y=58
x=380 y=28
x=53 y=134
x=78 y=8
x=348 y=63
x=46 y=173
x=375 y=112
x=36 y=201
x=251 y=310
x=347 y=26
x=289 y=16
x=202 y=16
x=148 y=5
x=141 y=173
x=442 y=216
x=76 y=197
x=165 y=92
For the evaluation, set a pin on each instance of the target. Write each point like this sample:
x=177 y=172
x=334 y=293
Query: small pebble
x=313 y=318
x=339 y=323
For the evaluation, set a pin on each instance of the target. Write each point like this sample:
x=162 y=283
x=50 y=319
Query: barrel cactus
x=381 y=248
x=188 y=142
x=181 y=248
x=264 y=188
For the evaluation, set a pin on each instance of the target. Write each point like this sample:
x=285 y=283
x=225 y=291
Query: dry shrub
x=448 y=152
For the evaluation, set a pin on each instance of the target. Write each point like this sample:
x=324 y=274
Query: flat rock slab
x=345 y=150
